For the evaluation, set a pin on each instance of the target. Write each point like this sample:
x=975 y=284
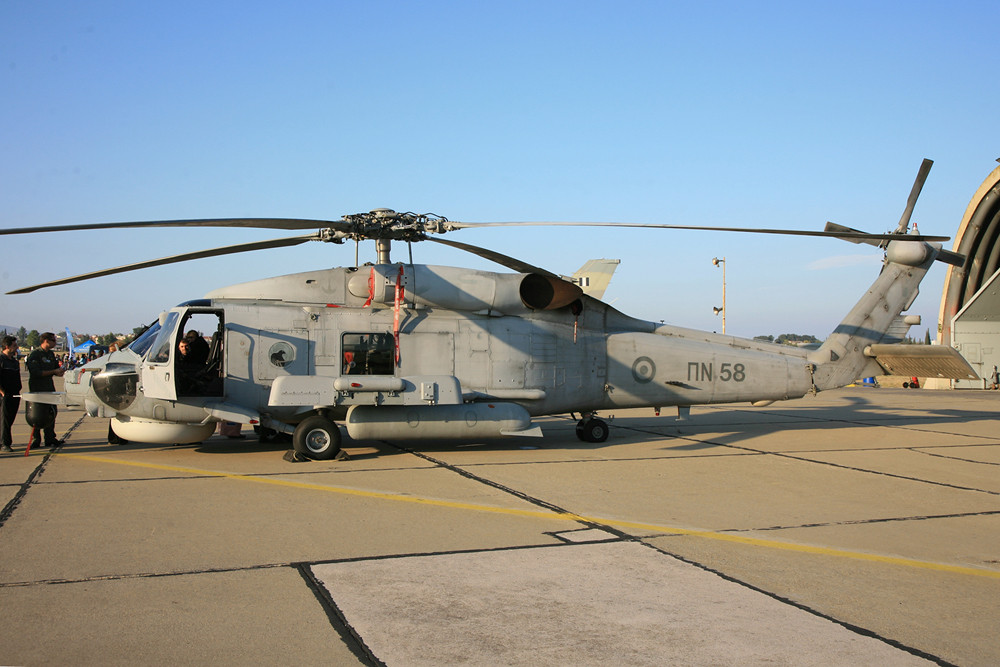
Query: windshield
x=145 y=339
x=164 y=340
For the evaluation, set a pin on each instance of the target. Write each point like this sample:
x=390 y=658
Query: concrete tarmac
x=859 y=526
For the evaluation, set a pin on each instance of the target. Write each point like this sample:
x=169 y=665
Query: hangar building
x=970 y=306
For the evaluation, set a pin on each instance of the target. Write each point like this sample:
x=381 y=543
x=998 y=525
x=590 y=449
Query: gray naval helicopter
x=411 y=351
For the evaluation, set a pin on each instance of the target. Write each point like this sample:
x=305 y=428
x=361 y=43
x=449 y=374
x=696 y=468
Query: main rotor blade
x=861 y=236
x=918 y=185
x=260 y=223
x=494 y=256
x=850 y=234
x=212 y=252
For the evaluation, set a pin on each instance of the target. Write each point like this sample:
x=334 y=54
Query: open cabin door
x=158 y=369
x=168 y=376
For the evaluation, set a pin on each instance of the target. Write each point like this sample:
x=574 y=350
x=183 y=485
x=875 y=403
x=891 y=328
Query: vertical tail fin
x=595 y=276
x=840 y=359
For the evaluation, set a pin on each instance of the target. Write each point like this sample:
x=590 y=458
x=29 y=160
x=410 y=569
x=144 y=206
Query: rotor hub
x=384 y=223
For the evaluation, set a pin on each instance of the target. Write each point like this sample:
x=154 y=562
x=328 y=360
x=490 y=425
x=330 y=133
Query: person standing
x=10 y=390
x=42 y=367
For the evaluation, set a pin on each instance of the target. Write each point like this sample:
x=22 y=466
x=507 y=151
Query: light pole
x=716 y=261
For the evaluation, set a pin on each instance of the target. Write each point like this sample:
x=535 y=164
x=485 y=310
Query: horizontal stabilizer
x=595 y=276
x=933 y=361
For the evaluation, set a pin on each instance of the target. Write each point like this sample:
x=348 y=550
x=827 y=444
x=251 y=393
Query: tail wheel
x=317 y=437
x=592 y=430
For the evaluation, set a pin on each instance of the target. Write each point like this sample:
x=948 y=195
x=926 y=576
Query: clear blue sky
x=759 y=114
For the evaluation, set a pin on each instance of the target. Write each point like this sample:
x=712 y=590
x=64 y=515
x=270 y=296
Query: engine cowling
x=464 y=289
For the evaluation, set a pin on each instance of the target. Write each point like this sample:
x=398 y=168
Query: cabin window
x=368 y=353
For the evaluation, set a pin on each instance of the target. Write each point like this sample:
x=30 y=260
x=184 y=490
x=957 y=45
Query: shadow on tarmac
x=709 y=427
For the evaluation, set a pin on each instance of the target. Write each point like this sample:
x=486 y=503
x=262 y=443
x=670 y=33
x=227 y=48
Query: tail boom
x=841 y=358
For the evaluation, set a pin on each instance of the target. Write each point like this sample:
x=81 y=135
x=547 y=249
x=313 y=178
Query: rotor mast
x=383 y=225
x=382 y=248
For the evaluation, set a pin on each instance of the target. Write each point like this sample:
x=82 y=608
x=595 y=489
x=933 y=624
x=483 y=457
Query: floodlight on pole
x=716 y=262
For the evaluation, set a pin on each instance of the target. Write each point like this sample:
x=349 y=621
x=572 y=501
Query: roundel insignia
x=643 y=370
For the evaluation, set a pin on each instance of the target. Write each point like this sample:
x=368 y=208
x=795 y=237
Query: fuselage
x=422 y=336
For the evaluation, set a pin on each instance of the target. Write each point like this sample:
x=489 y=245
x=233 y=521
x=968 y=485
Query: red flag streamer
x=34 y=434
x=371 y=288
x=395 y=317
x=576 y=308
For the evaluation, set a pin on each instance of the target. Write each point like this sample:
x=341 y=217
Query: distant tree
x=795 y=339
x=22 y=335
x=911 y=340
x=767 y=339
x=31 y=338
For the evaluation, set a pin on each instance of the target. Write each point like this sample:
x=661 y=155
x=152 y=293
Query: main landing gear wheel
x=592 y=430
x=317 y=437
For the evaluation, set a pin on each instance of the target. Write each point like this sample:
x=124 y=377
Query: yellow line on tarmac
x=330 y=489
x=567 y=516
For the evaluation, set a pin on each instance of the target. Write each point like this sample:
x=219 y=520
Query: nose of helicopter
x=77 y=382
x=107 y=381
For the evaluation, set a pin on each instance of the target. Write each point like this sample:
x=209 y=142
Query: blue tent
x=84 y=347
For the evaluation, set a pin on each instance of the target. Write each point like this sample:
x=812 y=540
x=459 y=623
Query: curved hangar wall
x=970 y=305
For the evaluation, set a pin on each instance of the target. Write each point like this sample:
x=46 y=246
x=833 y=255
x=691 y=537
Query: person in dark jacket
x=42 y=368
x=10 y=390
x=197 y=348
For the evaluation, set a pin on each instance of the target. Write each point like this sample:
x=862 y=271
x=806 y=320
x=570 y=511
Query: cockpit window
x=368 y=353
x=145 y=339
x=160 y=352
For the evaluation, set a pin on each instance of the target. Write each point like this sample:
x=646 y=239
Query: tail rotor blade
x=953 y=258
x=911 y=201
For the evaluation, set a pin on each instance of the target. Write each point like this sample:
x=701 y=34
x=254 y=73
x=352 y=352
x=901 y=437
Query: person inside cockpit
x=193 y=349
x=191 y=358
